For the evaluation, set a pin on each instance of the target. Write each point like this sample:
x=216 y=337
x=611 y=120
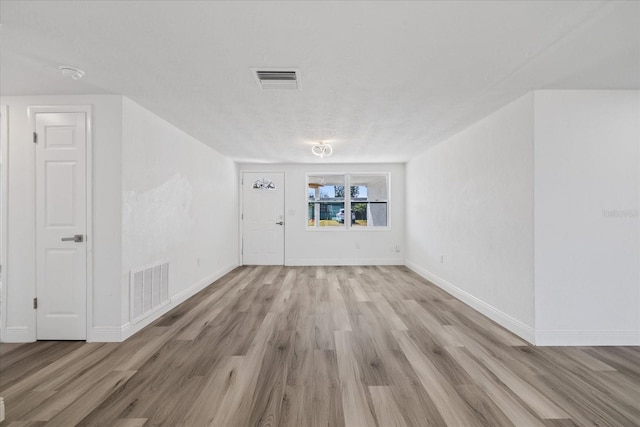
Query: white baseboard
x=129 y=329
x=105 y=334
x=587 y=338
x=341 y=262
x=17 y=334
x=514 y=325
x=1 y=409
x=200 y=285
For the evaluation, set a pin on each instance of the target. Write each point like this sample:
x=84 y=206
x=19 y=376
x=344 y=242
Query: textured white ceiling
x=381 y=81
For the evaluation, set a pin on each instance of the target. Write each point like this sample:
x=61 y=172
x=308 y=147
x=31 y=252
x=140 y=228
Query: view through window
x=364 y=206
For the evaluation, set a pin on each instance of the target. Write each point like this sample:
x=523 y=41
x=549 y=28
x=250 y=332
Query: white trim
x=88 y=111
x=587 y=338
x=346 y=226
x=241 y=216
x=106 y=334
x=17 y=334
x=4 y=225
x=517 y=327
x=301 y=262
x=129 y=329
x=182 y=296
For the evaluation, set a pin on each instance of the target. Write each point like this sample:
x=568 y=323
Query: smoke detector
x=277 y=78
x=69 y=71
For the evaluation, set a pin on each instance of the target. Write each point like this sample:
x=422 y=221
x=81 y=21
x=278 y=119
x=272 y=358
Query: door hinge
x=35 y=303
x=35 y=138
x=241 y=216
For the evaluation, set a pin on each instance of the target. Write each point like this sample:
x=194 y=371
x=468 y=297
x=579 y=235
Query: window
x=326 y=200
x=369 y=200
x=364 y=206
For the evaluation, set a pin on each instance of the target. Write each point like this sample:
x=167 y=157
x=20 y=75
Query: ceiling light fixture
x=73 y=72
x=322 y=150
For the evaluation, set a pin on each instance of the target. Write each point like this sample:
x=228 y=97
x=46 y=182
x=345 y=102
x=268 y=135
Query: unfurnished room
x=320 y=213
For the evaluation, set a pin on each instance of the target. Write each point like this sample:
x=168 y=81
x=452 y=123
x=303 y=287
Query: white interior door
x=61 y=225
x=263 y=218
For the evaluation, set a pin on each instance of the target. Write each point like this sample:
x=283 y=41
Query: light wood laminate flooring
x=320 y=346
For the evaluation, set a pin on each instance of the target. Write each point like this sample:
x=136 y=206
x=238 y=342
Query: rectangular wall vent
x=278 y=78
x=149 y=287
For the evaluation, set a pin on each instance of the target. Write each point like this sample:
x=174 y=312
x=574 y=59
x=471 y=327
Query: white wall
x=535 y=209
x=157 y=194
x=586 y=258
x=18 y=324
x=338 y=247
x=470 y=201
x=179 y=202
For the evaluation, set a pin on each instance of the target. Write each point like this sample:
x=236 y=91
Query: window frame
x=347 y=226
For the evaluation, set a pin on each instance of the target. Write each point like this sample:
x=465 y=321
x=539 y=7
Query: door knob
x=280 y=223
x=78 y=238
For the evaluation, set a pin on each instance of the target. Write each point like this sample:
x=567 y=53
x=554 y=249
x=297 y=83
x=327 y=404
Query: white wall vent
x=277 y=78
x=149 y=290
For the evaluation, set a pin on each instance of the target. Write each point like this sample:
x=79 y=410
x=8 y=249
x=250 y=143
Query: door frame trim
x=4 y=198
x=241 y=212
x=87 y=109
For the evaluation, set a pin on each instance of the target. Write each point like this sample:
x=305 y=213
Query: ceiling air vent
x=278 y=78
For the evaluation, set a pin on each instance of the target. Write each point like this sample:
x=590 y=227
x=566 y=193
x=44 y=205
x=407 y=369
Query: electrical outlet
x=441 y=259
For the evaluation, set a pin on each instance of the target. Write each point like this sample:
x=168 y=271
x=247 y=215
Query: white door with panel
x=263 y=218
x=61 y=225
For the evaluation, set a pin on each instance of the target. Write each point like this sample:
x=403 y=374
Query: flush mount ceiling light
x=322 y=150
x=73 y=72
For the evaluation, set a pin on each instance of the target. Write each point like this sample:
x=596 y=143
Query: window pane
x=326 y=188
x=369 y=188
x=359 y=213
x=331 y=214
x=377 y=214
x=372 y=214
x=311 y=215
x=359 y=193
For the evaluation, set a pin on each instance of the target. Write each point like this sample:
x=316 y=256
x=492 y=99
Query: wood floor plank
x=495 y=390
x=358 y=291
x=236 y=404
x=23 y=408
x=271 y=384
x=203 y=409
x=431 y=324
x=387 y=410
x=320 y=346
x=80 y=357
x=77 y=410
x=449 y=403
x=316 y=401
x=544 y=407
x=130 y=422
x=484 y=409
x=589 y=361
x=387 y=312
x=340 y=315
x=357 y=411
